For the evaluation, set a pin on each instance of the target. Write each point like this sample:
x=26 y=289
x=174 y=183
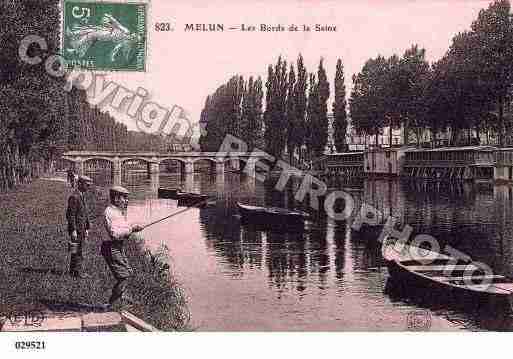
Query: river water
x=327 y=277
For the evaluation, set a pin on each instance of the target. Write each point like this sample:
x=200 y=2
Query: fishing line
x=176 y=213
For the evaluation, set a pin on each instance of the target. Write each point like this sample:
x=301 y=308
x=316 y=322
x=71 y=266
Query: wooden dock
x=77 y=322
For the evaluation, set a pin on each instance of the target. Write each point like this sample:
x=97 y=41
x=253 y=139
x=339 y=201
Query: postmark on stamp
x=104 y=35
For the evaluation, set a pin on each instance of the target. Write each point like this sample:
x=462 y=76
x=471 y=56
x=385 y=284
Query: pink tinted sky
x=185 y=67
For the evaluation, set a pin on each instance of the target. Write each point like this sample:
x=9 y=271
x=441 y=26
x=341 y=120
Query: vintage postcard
x=256 y=166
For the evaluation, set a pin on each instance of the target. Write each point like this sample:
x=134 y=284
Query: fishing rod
x=177 y=213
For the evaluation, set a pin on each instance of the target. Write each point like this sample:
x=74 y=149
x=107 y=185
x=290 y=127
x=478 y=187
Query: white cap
x=85 y=179
x=119 y=189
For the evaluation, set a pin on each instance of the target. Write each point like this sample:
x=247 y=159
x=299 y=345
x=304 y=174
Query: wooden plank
x=492 y=288
x=449 y=267
x=101 y=322
x=52 y=324
x=508 y=286
x=428 y=256
x=129 y=328
x=464 y=278
x=407 y=253
x=137 y=323
x=505 y=286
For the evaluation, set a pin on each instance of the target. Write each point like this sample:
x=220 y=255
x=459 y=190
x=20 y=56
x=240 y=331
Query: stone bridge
x=154 y=159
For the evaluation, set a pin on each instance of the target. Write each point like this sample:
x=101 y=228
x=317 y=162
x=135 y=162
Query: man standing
x=71 y=177
x=118 y=230
x=77 y=215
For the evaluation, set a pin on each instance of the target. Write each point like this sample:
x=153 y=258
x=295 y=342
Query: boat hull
x=192 y=202
x=167 y=193
x=264 y=217
x=412 y=284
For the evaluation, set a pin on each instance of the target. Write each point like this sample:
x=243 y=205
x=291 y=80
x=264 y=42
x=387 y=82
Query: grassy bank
x=34 y=261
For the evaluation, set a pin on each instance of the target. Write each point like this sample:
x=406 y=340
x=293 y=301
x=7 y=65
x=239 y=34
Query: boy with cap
x=118 y=230
x=77 y=215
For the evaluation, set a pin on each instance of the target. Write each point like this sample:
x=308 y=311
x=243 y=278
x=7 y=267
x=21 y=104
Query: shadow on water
x=461 y=215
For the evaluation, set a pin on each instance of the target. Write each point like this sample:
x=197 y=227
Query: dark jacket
x=77 y=214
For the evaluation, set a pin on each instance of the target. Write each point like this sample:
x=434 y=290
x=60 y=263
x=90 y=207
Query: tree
x=247 y=104
x=368 y=103
x=494 y=35
x=205 y=120
x=256 y=120
x=312 y=115
x=251 y=121
x=407 y=76
x=339 y=109
x=321 y=133
x=290 y=117
x=275 y=111
x=300 y=104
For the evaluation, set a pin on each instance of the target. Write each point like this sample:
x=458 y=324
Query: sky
x=184 y=67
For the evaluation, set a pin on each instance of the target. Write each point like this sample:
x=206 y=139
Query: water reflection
x=326 y=277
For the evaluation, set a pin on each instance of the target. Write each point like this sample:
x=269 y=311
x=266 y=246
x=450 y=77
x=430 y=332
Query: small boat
x=167 y=192
x=188 y=199
x=187 y=202
x=255 y=213
x=445 y=276
x=190 y=196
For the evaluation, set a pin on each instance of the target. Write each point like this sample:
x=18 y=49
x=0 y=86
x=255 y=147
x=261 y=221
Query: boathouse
x=384 y=161
x=347 y=164
x=503 y=164
x=472 y=162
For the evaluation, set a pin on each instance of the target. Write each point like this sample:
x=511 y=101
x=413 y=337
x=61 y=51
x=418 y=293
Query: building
x=347 y=164
x=383 y=161
x=470 y=162
x=503 y=170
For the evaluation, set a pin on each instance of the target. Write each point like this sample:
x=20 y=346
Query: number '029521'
x=32 y=345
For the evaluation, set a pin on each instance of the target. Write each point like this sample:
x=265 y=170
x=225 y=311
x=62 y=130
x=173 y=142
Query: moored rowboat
x=167 y=192
x=195 y=200
x=193 y=197
x=255 y=213
x=445 y=275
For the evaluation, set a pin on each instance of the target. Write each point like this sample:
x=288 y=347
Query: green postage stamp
x=104 y=35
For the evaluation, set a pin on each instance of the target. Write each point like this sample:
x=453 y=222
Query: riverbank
x=34 y=261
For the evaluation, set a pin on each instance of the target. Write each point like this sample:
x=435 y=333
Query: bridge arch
x=140 y=159
x=172 y=165
x=95 y=164
x=209 y=159
x=240 y=159
x=168 y=159
x=204 y=164
x=87 y=159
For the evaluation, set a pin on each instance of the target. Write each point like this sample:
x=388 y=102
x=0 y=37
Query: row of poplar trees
x=39 y=120
x=295 y=115
x=466 y=94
